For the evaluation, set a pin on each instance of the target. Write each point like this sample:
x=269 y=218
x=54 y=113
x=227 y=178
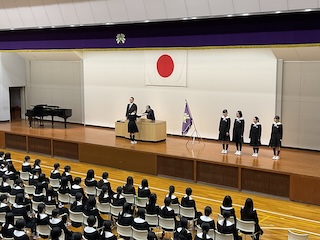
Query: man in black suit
x=150 y=113
x=131 y=107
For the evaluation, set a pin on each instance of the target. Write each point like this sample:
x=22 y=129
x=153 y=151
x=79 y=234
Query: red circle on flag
x=165 y=65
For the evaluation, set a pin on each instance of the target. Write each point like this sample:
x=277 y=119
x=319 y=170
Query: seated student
x=90 y=232
x=18 y=187
x=36 y=166
x=125 y=217
x=26 y=167
x=76 y=236
x=227 y=206
x=166 y=211
x=152 y=206
x=7 y=157
x=90 y=209
x=56 y=221
x=77 y=205
x=20 y=232
x=5 y=186
x=151 y=236
x=227 y=227
x=55 y=174
x=174 y=199
x=38 y=195
x=206 y=218
x=51 y=197
x=8 y=227
x=21 y=208
x=104 y=182
x=43 y=180
x=64 y=188
x=150 y=113
x=55 y=233
x=33 y=178
x=67 y=174
x=118 y=199
x=143 y=190
x=188 y=201
x=41 y=217
x=104 y=196
x=204 y=235
x=11 y=172
x=138 y=222
x=248 y=213
x=3 y=168
x=106 y=233
x=4 y=207
x=128 y=187
x=76 y=187
x=89 y=180
x=182 y=231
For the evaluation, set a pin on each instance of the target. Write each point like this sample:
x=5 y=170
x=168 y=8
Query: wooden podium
x=152 y=131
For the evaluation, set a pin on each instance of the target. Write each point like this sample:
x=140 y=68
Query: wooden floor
x=276 y=215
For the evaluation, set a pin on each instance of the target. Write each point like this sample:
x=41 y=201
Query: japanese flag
x=166 y=68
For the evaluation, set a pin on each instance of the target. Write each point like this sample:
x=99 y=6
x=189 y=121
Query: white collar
x=257 y=123
x=19 y=233
x=225 y=117
x=88 y=229
x=277 y=123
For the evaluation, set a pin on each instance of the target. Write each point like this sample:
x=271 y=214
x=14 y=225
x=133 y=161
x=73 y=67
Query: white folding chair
x=76 y=217
x=71 y=199
x=124 y=231
x=152 y=219
x=188 y=213
x=54 y=182
x=98 y=191
x=3 y=217
x=167 y=224
x=64 y=198
x=115 y=210
x=139 y=234
x=103 y=207
x=35 y=205
x=43 y=230
x=12 y=198
x=210 y=233
x=25 y=176
x=297 y=236
x=10 y=182
x=141 y=201
x=130 y=198
x=49 y=209
x=90 y=190
x=221 y=236
x=29 y=189
x=246 y=227
x=4 y=238
x=175 y=207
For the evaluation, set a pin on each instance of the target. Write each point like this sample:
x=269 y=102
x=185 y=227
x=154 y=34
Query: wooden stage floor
x=295 y=175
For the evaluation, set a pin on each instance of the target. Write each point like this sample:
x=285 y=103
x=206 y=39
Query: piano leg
x=41 y=121
x=65 y=123
x=51 y=120
x=30 y=121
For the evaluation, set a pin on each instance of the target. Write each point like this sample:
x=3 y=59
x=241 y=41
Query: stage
x=294 y=176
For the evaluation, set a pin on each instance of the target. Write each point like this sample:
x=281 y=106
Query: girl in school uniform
x=238 y=129
x=255 y=136
x=276 y=137
x=224 y=128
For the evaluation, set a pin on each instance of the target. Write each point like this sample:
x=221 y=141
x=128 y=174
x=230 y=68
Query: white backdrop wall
x=301 y=104
x=57 y=83
x=12 y=74
x=236 y=79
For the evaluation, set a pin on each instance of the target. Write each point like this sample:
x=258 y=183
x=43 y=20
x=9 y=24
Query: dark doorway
x=16 y=94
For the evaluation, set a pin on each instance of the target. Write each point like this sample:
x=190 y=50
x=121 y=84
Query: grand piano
x=42 y=110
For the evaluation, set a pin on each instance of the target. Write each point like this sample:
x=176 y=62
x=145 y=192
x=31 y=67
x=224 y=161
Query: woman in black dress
x=276 y=137
x=255 y=135
x=224 y=128
x=238 y=129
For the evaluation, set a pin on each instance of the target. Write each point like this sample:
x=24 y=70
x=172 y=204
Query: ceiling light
x=308 y=10
x=194 y=18
x=229 y=15
x=72 y=25
x=277 y=12
x=185 y=18
x=245 y=14
x=53 y=26
x=146 y=21
x=109 y=23
x=40 y=27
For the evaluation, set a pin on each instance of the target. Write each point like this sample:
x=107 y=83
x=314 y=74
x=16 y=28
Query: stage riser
x=296 y=187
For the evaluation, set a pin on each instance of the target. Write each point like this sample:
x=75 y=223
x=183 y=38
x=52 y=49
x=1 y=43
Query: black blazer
x=131 y=109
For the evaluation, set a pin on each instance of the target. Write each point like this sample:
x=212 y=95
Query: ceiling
x=25 y=14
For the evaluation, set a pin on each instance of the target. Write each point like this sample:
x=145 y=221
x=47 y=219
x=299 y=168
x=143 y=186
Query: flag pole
x=195 y=134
